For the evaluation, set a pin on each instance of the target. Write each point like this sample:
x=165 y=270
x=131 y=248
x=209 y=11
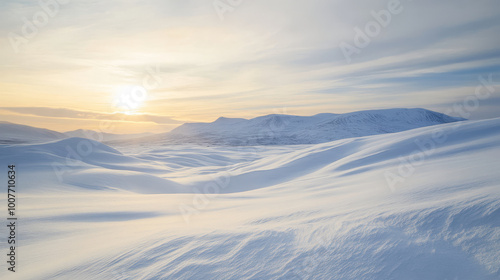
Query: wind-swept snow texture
x=418 y=204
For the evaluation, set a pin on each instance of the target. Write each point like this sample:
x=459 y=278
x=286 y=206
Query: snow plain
x=418 y=204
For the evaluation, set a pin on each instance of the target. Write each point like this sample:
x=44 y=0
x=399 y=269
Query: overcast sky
x=63 y=66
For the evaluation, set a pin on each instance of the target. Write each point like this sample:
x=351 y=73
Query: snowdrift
x=417 y=204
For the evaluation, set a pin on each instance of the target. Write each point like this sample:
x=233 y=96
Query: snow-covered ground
x=417 y=204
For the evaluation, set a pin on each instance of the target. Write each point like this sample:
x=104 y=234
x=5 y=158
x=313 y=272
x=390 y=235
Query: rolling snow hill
x=11 y=133
x=102 y=136
x=17 y=133
x=417 y=204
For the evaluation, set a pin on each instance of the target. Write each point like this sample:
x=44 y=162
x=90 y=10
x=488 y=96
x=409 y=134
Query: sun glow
x=129 y=99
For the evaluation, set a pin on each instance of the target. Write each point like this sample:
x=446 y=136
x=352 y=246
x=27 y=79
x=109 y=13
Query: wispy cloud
x=263 y=54
x=75 y=114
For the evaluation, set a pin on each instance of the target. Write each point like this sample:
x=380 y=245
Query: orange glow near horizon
x=163 y=63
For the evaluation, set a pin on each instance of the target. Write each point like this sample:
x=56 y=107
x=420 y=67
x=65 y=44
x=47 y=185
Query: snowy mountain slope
x=418 y=204
x=288 y=129
x=264 y=130
x=11 y=133
x=16 y=133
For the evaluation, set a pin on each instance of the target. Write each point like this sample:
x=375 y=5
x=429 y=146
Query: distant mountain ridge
x=18 y=133
x=11 y=133
x=277 y=129
x=274 y=129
